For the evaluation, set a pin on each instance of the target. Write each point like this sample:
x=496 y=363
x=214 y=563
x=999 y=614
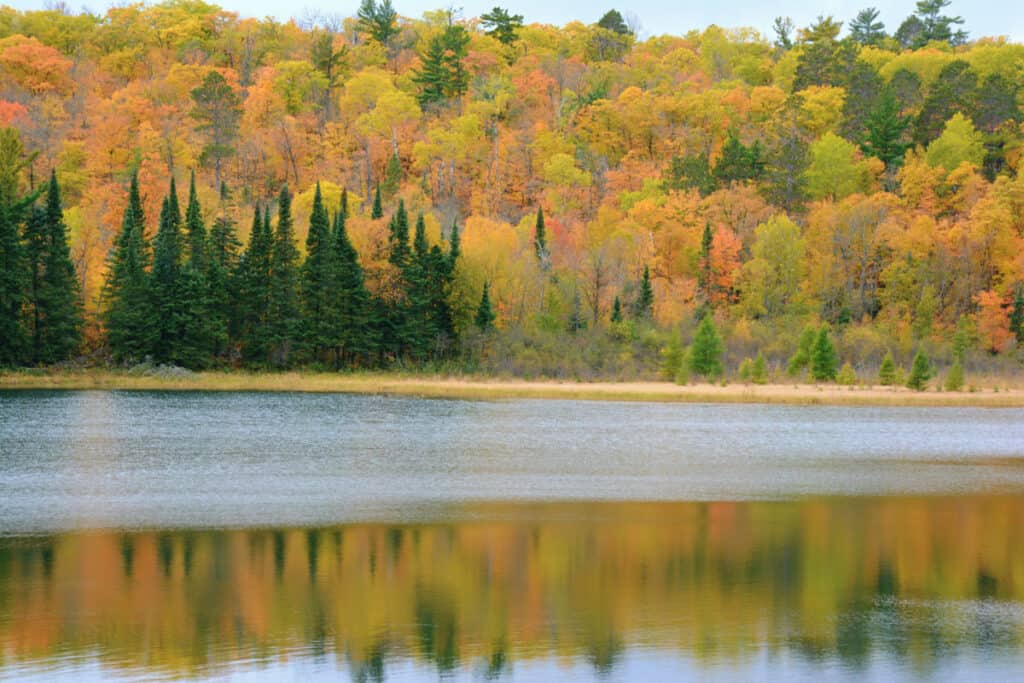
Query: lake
x=206 y=536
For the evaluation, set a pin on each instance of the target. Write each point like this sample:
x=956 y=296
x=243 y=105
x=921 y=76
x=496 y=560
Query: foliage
x=887 y=371
x=705 y=357
x=920 y=373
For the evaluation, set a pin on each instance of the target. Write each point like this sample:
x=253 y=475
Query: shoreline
x=438 y=386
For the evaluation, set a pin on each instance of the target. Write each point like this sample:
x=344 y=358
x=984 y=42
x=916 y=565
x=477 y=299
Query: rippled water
x=292 y=536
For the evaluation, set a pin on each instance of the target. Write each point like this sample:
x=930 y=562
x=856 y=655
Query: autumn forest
x=183 y=186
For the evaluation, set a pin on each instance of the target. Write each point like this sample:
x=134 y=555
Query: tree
x=59 y=334
x=886 y=128
x=349 y=307
x=937 y=26
x=223 y=278
x=887 y=370
x=952 y=92
x=501 y=25
x=959 y=142
x=13 y=206
x=484 y=318
x=704 y=274
x=612 y=21
x=836 y=170
x=127 y=316
x=217 y=109
x=164 y=288
x=783 y=29
x=865 y=27
x=738 y=162
x=823 y=357
x=318 y=332
x=284 y=314
x=378 y=208
x=616 y=315
x=1017 y=315
x=442 y=75
x=577 y=322
x=773 y=276
x=759 y=371
x=955 y=376
x=380 y=21
x=672 y=357
x=540 y=240
x=392 y=176
x=920 y=373
x=254 y=287
x=801 y=358
x=643 y=305
x=706 y=351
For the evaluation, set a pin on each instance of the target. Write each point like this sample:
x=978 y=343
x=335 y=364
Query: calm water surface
x=296 y=537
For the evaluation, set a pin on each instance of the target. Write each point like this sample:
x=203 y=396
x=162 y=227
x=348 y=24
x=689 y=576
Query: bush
x=846 y=377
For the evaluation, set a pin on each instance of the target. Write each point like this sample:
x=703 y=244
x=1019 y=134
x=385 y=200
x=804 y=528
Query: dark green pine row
x=200 y=300
x=40 y=301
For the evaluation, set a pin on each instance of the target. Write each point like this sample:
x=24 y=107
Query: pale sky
x=983 y=17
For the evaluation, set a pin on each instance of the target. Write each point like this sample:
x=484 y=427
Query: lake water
x=302 y=536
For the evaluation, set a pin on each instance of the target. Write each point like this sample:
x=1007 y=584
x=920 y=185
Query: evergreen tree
x=197 y=330
x=865 y=27
x=955 y=376
x=285 y=314
x=704 y=274
x=540 y=239
x=1017 y=315
x=168 y=308
x=643 y=306
x=577 y=323
x=823 y=358
x=127 y=313
x=223 y=277
x=317 y=280
x=378 y=208
x=801 y=358
x=60 y=305
x=937 y=26
x=886 y=128
x=343 y=209
x=920 y=373
x=693 y=171
x=350 y=306
x=706 y=352
x=759 y=371
x=12 y=264
x=672 y=357
x=501 y=25
x=738 y=162
x=443 y=75
x=378 y=20
x=616 y=316
x=887 y=371
x=254 y=285
x=392 y=176
x=195 y=230
x=484 y=319
x=33 y=250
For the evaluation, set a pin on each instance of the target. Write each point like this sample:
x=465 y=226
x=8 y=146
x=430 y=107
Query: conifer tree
x=285 y=314
x=317 y=293
x=1017 y=315
x=197 y=329
x=643 y=306
x=223 y=277
x=704 y=275
x=616 y=316
x=484 y=319
x=350 y=306
x=706 y=352
x=378 y=208
x=127 y=314
x=887 y=371
x=254 y=285
x=540 y=239
x=672 y=357
x=164 y=279
x=33 y=249
x=60 y=303
x=577 y=323
x=392 y=176
x=955 y=376
x=12 y=265
x=801 y=358
x=920 y=373
x=759 y=371
x=824 y=363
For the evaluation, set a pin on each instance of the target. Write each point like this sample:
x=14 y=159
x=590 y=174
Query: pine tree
x=378 y=208
x=168 y=308
x=887 y=371
x=484 y=319
x=920 y=373
x=616 y=316
x=197 y=329
x=254 y=286
x=1017 y=315
x=127 y=314
x=223 y=276
x=672 y=357
x=823 y=358
x=396 y=332
x=60 y=304
x=643 y=306
x=351 y=308
x=12 y=264
x=443 y=75
x=540 y=240
x=955 y=376
x=577 y=323
x=801 y=358
x=759 y=371
x=704 y=275
x=706 y=352
x=886 y=128
x=33 y=249
x=318 y=332
x=285 y=315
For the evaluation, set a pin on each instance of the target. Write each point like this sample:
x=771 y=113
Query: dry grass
x=489 y=388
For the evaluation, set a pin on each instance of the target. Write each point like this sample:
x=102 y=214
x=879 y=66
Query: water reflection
x=851 y=585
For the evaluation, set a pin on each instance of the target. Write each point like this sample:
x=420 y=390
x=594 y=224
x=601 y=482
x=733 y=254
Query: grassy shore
x=491 y=388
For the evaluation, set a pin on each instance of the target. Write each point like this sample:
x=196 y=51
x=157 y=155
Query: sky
x=983 y=17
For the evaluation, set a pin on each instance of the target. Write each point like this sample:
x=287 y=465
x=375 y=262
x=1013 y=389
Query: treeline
x=196 y=299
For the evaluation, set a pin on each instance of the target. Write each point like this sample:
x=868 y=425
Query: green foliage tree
x=392 y=176
x=442 y=75
x=672 y=357
x=501 y=25
x=13 y=208
x=846 y=376
x=823 y=357
x=254 y=285
x=952 y=92
x=616 y=314
x=887 y=370
x=350 y=307
x=705 y=276
x=540 y=240
x=738 y=162
x=285 y=313
x=886 y=131
x=801 y=358
x=959 y=142
x=378 y=20
x=484 y=318
x=165 y=287
x=127 y=314
x=865 y=27
x=1017 y=315
x=317 y=271
x=612 y=21
x=60 y=303
x=643 y=305
x=577 y=321
x=706 y=352
x=955 y=376
x=759 y=370
x=692 y=171
x=223 y=278
x=920 y=373
x=378 y=207
x=937 y=26
x=217 y=110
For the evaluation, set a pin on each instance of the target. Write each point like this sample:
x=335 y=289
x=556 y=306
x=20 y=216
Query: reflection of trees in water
x=918 y=580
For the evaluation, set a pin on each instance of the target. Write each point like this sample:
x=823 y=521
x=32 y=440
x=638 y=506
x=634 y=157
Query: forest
x=482 y=194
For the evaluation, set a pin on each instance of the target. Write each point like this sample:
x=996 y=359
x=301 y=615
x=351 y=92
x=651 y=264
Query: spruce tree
x=824 y=362
x=484 y=319
x=759 y=371
x=254 y=286
x=378 y=208
x=223 y=276
x=540 y=239
x=643 y=306
x=317 y=280
x=33 y=256
x=198 y=330
x=672 y=357
x=1017 y=315
x=706 y=352
x=285 y=314
x=955 y=376
x=887 y=371
x=351 y=309
x=60 y=300
x=13 y=206
x=801 y=358
x=165 y=285
x=127 y=314
x=704 y=276
x=920 y=373
x=616 y=316
x=577 y=323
